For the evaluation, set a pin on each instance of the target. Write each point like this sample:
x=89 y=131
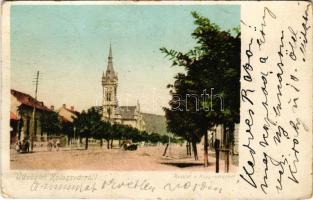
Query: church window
x=109 y=96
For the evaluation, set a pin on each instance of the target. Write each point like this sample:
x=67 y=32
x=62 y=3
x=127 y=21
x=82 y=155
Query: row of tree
x=89 y=124
x=212 y=66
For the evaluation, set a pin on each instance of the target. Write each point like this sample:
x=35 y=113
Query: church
x=111 y=111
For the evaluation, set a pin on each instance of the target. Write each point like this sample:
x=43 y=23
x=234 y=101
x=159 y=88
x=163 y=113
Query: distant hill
x=155 y=123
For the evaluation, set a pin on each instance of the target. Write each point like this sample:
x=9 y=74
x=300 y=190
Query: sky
x=69 y=45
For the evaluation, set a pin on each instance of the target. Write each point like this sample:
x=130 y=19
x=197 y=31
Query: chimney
x=72 y=108
x=52 y=107
x=64 y=105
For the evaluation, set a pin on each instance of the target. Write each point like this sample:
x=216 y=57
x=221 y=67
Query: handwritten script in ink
x=271 y=88
x=58 y=182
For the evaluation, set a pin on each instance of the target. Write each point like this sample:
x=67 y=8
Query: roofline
x=42 y=107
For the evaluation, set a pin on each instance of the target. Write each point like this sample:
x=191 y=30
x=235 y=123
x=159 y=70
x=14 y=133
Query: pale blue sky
x=69 y=44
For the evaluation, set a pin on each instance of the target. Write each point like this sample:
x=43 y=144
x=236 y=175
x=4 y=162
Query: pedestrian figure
x=58 y=144
x=18 y=146
x=27 y=144
x=49 y=145
x=54 y=143
x=23 y=146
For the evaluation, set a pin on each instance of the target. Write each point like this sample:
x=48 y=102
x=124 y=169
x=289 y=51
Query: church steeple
x=110 y=70
x=109 y=84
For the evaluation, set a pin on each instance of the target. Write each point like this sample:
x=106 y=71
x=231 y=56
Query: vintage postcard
x=156 y=100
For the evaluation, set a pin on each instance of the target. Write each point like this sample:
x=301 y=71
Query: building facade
x=67 y=114
x=111 y=111
x=21 y=110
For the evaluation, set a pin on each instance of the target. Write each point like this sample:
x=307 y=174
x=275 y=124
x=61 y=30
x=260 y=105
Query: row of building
x=21 y=113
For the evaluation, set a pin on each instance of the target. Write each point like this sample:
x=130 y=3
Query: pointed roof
x=110 y=70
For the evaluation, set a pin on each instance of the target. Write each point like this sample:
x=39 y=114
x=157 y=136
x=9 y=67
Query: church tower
x=109 y=84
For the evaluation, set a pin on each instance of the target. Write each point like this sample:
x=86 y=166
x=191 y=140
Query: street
x=95 y=158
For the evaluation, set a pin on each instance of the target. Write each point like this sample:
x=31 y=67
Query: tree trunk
x=217 y=155
x=80 y=140
x=165 y=149
x=101 y=142
x=195 y=151
x=225 y=136
x=41 y=131
x=206 y=154
x=108 y=143
x=111 y=144
x=189 y=146
x=86 y=144
x=227 y=160
x=188 y=149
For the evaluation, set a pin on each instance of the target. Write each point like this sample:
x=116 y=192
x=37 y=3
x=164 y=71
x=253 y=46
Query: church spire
x=110 y=52
x=110 y=70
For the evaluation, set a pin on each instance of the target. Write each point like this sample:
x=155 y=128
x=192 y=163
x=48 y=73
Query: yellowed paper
x=274 y=136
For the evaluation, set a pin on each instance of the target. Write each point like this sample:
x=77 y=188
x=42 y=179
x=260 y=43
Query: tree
x=50 y=123
x=68 y=129
x=103 y=132
x=154 y=138
x=213 y=64
x=88 y=124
